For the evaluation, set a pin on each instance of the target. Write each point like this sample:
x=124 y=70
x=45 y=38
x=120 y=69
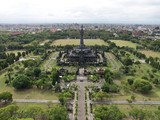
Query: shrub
x=21 y=82
x=142 y=86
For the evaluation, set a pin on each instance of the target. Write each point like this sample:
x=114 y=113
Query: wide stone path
x=81 y=101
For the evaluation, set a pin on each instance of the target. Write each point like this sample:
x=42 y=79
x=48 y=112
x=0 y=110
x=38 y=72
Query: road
x=126 y=102
x=93 y=102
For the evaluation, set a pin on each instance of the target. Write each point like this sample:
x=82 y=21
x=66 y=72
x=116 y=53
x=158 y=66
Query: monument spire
x=81 y=39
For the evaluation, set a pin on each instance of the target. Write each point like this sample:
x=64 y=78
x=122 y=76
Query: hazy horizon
x=82 y=12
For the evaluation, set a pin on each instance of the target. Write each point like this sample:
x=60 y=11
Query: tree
x=62 y=100
x=19 y=54
x=108 y=76
x=58 y=113
x=101 y=95
x=130 y=81
x=6 y=96
x=23 y=54
x=30 y=63
x=138 y=114
x=127 y=62
x=21 y=82
x=133 y=97
x=37 y=72
x=2 y=48
x=108 y=113
x=105 y=87
x=8 y=112
x=142 y=86
x=54 y=76
x=35 y=112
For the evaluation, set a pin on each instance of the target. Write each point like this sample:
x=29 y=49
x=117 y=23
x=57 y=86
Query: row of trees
x=9 y=58
x=154 y=45
x=12 y=112
x=35 y=77
x=113 y=113
x=154 y=62
x=135 y=52
x=141 y=85
x=109 y=86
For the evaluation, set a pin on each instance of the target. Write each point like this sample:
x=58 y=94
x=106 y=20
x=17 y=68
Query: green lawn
x=32 y=93
x=132 y=56
x=26 y=94
x=50 y=62
x=141 y=71
x=29 y=93
x=122 y=43
x=149 y=53
x=89 y=42
x=113 y=62
x=44 y=106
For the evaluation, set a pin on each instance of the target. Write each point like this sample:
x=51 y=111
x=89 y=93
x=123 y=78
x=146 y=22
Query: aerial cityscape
x=80 y=60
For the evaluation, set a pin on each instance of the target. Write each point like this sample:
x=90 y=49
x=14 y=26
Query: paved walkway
x=81 y=101
x=81 y=90
x=126 y=102
x=34 y=101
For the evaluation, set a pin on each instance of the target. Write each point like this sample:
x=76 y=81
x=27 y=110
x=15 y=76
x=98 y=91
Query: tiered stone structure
x=81 y=55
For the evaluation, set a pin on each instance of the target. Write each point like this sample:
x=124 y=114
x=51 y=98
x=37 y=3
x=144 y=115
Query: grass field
x=43 y=42
x=89 y=42
x=44 y=106
x=122 y=43
x=26 y=94
x=149 y=53
x=50 y=62
x=141 y=71
x=113 y=62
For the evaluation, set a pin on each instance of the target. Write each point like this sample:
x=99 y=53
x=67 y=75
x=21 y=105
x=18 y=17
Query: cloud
x=74 y=11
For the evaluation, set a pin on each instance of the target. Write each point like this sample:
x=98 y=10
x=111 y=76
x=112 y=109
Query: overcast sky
x=80 y=11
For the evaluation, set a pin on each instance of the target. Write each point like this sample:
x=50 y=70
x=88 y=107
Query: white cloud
x=74 y=11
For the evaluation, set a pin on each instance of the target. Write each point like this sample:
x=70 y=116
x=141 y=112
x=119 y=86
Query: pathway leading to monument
x=81 y=101
x=81 y=94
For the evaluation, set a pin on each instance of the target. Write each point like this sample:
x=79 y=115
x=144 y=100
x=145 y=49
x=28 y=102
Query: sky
x=80 y=11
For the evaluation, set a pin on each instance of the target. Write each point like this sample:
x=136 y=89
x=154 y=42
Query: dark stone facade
x=81 y=55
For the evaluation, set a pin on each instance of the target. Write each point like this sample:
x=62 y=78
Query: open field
x=122 y=43
x=149 y=53
x=89 y=42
